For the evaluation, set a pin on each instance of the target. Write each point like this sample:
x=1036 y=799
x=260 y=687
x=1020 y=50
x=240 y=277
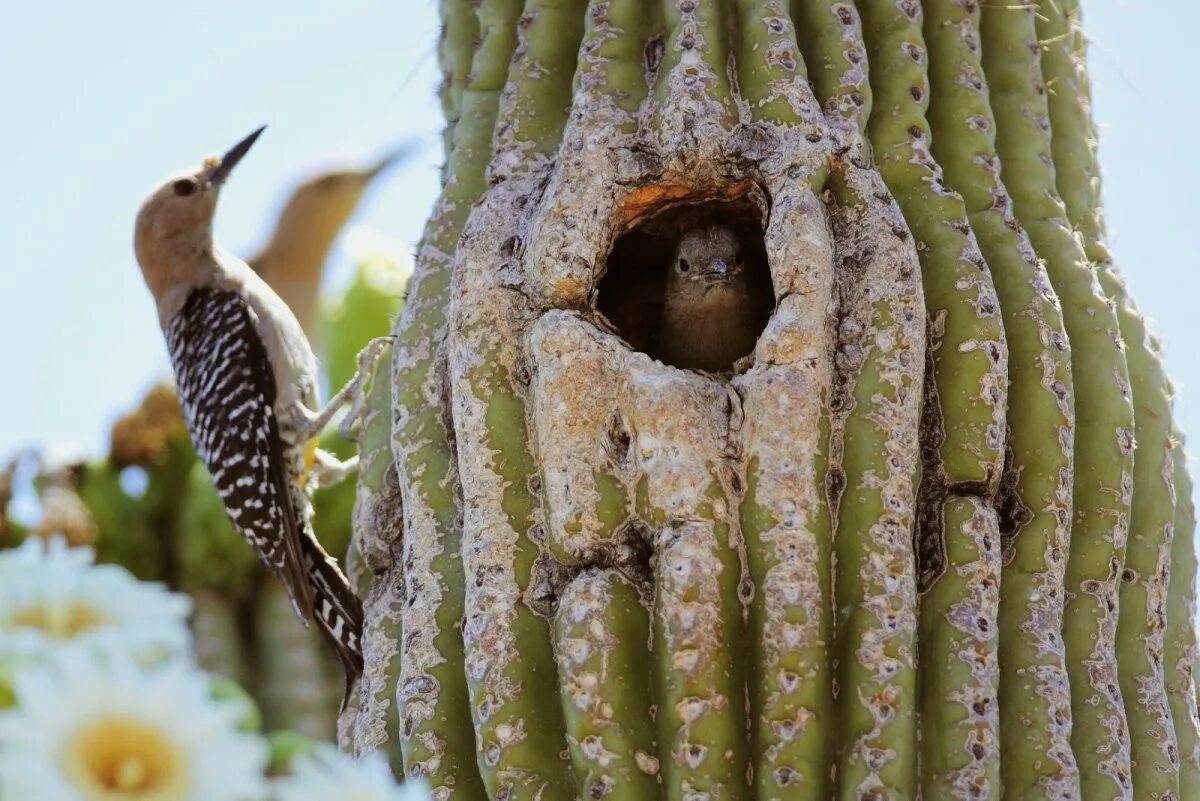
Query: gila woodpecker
x=709 y=318
x=247 y=383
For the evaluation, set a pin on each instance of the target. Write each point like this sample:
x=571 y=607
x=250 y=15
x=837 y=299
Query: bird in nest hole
x=709 y=318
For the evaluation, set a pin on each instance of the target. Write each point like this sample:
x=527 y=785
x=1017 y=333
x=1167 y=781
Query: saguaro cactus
x=918 y=543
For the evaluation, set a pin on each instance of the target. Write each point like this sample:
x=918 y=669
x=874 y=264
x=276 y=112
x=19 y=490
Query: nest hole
x=723 y=319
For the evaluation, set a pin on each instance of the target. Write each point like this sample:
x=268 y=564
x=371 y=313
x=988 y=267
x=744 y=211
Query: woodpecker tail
x=338 y=611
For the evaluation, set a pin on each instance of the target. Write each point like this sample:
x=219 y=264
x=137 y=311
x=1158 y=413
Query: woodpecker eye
x=184 y=187
x=684 y=266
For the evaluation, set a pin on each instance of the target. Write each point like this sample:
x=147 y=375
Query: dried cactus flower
x=140 y=437
x=64 y=513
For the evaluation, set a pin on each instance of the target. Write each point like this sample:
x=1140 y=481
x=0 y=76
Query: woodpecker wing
x=227 y=390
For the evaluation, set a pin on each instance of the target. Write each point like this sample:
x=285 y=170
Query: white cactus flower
x=53 y=596
x=102 y=727
x=329 y=775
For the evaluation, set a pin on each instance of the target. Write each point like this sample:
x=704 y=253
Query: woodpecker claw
x=328 y=470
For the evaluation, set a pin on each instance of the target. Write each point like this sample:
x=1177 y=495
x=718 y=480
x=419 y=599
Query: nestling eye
x=684 y=266
x=184 y=187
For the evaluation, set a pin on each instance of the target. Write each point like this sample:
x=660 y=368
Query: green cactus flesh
x=932 y=539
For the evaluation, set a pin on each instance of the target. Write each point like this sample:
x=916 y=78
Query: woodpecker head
x=177 y=217
x=707 y=259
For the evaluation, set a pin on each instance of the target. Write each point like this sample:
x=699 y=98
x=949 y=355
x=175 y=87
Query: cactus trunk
x=932 y=538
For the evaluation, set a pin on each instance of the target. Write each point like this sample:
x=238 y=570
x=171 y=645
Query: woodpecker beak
x=396 y=156
x=231 y=158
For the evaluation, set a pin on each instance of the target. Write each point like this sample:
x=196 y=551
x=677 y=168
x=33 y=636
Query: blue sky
x=102 y=99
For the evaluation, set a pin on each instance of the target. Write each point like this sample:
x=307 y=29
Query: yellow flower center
x=60 y=621
x=124 y=760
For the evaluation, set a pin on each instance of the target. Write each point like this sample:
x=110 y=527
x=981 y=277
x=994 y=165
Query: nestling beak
x=225 y=166
x=715 y=270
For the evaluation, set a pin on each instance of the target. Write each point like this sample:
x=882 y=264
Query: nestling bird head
x=177 y=217
x=707 y=259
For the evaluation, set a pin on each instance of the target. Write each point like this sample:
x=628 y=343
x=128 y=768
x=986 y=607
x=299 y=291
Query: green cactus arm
x=697 y=620
x=520 y=731
x=966 y=332
x=875 y=470
x=1035 y=499
x=436 y=735
x=218 y=638
x=768 y=60
x=1179 y=653
x=1141 y=627
x=123 y=533
x=786 y=524
x=538 y=94
x=378 y=719
x=793 y=693
x=375 y=465
x=613 y=55
x=456 y=49
x=1104 y=414
x=360 y=313
x=357 y=572
x=602 y=642
x=161 y=507
x=881 y=354
x=683 y=512
x=378 y=533
x=1074 y=144
x=784 y=513
x=695 y=63
x=965 y=405
x=292 y=668
x=959 y=666
x=1142 y=621
x=830 y=34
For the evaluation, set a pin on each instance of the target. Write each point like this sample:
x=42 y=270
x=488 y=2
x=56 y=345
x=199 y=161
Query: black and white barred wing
x=227 y=390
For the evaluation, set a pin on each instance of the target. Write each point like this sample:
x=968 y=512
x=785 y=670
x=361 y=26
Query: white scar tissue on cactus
x=102 y=727
x=53 y=596
x=329 y=775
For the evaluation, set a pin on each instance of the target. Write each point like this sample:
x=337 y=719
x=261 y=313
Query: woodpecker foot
x=314 y=423
x=328 y=470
